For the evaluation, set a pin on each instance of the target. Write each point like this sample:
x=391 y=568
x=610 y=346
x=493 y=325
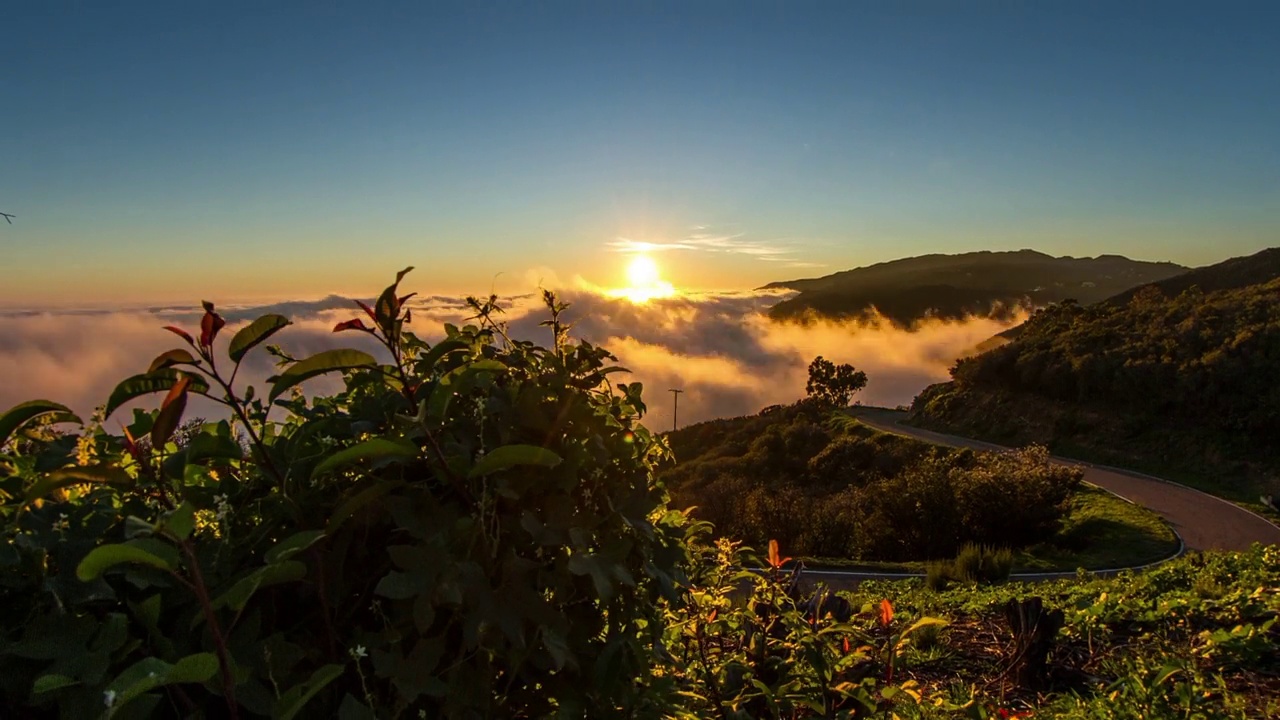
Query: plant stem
x=220 y=642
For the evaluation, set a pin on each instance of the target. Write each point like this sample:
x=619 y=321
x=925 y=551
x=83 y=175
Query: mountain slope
x=1166 y=375
x=953 y=286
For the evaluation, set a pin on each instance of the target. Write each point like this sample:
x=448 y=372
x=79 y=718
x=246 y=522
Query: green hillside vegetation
x=1184 y=381
x=477 y=528
x=996 y=284
x=828 y=487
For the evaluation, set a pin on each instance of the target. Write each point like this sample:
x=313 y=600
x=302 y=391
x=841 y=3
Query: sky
x=238 y=151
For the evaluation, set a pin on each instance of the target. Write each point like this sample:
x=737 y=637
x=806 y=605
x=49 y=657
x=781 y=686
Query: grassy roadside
x=1100 y=531
x=1198 y=476
x=1095 y=436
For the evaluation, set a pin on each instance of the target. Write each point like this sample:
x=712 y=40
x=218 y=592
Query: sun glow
x=645 y=281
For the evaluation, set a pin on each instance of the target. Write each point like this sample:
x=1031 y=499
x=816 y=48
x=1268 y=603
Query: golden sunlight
x=645 y=281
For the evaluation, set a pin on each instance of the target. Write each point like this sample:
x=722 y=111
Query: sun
x=644 y=281
x=643 y=272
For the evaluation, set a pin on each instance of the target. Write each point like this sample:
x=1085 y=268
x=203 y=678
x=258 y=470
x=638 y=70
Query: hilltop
x=1175 y=375
x=977 y=283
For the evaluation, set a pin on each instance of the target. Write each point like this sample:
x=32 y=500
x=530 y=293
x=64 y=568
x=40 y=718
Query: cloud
x=702 y=240
x=720 y=348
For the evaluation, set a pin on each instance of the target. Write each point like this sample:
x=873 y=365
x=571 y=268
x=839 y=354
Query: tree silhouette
x=833 y=385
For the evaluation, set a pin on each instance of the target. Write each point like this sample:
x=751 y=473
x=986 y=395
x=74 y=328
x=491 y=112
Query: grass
x=1101 y=531
x=1200 y=477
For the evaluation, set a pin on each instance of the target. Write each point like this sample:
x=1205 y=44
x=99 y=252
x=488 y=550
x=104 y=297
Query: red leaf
x=886 y=612
x=846 y=646
x=775 y=558
x=180 y=333
x=210 y=324
x=355 y=324
x=179 y=388
x=368 y=310
x=712 y=617
x=131 y=445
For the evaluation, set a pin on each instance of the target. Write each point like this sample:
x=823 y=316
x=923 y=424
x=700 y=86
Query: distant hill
x=1178 y=374
x=954 y=286
x=1238 y=272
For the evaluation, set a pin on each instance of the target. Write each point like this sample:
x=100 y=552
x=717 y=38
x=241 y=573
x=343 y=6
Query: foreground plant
x=467 y=527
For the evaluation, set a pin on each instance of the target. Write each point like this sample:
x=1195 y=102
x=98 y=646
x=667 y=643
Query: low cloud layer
x=719 y=348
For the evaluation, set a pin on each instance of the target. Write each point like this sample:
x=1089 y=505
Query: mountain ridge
x=951 y=286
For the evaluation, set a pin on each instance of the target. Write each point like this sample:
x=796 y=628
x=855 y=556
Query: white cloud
x=720 y=348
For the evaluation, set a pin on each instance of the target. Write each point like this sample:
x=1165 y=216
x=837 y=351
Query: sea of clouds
x=721 y=349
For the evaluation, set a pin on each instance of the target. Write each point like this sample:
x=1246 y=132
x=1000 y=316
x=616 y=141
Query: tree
x=833 y=385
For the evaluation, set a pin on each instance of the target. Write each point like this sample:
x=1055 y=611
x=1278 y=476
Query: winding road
x=1202 y=521
x=1205 y=522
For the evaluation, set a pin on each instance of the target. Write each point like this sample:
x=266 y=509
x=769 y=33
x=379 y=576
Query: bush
x=937 y=575
x=470 y=528
x=975 y=564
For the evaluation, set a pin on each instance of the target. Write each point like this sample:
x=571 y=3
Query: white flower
x=222 y=507
x=358 y=652
x=109 y=697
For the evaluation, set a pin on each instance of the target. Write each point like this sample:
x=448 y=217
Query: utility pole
x=675 y=408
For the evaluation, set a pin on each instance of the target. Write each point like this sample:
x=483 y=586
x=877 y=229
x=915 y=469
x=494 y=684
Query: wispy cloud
x=703 y=240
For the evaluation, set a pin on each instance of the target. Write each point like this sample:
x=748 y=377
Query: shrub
x=470 y=528
x=975 y=564
x=937 y=575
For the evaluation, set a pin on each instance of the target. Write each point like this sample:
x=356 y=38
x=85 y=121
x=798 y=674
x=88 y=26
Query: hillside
x=1168 y=376
x=954 y=286
x=832 y=488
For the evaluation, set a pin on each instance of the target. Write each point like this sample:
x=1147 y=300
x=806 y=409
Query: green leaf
x=599 y=569
x=193 y=669
x=459 y=381
x=293 y=545
x=65 y=477
x=293 y=700
x=400 y=585
x=105 y=557
x=924 y=622
x=254 y=333
x=170 y=358
x=181 y=521
x=47 y=683
x=1165 y=673
x=509 y=456
x=240 y=593
x=371 y=449
x=429 y=359
x=161 y=549
x=147 y=383
x=318 y=364
x=150 y=673
x=352 y=709
x=206 y=446
x=23 y=413
x=359 y=500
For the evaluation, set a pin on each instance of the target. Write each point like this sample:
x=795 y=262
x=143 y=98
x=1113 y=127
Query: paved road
x=1204 y=521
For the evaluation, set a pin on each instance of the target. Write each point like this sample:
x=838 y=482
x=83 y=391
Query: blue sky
x=164 y=151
